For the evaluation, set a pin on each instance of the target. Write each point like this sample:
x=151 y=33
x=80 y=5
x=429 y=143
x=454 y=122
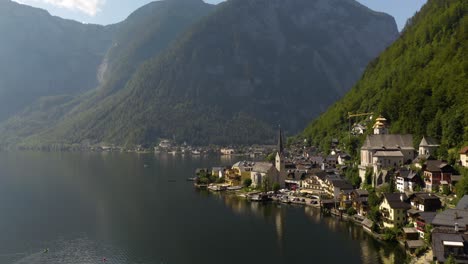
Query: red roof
x=464 y=150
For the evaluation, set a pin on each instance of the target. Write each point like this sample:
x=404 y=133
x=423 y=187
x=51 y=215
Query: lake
x=112 y=208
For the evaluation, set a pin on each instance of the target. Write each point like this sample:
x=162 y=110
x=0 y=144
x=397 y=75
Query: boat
x=192 y=179
x=234 y=188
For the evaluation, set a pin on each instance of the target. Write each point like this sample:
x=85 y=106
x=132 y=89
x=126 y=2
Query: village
x=402 y=194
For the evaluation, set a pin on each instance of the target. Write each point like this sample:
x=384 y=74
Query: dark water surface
x=85 y=207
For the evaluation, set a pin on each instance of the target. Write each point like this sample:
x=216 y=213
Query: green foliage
x=419 y=83
x=351 y=211
x=247 y=183
x=428 y=233
x=271 y=157
x=352 y=175
x=450 y=260
x=390 y=234
x=462 y=186
x=420 y=251
x=276 y=187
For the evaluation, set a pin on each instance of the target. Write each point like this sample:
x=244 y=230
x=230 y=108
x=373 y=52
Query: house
x=464 y=156
x=360 y=200
x=420 y=220
x=243 y=169
x=331 y=161
x=393 y=209
x=425 y=202
x=428 y=146
x=392 y=151
x=407 y=180
x=316 y=161
x=453 y=219
x=436 y=173
x=333 y=186
x=343 y=158
x=345 y=199
x=227 y=151
x=265 y=170
x=218 y=172
x=446 y=242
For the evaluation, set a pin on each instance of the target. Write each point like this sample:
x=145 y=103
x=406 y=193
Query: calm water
x=86 y=207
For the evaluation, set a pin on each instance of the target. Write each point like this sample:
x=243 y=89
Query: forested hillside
x=419 y=83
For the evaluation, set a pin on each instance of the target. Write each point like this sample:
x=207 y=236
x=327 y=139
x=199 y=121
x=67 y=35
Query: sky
x=112 y=11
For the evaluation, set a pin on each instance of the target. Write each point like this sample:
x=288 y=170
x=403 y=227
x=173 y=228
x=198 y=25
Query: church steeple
x=280 y=142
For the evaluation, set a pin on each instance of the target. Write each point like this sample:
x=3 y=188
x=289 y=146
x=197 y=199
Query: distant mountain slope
x=144 y=34
x=42 y=55
x=419 y=83
x=236 y=74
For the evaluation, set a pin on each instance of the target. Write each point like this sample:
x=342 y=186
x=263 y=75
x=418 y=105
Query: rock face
x=42 y=55
x=235 y=74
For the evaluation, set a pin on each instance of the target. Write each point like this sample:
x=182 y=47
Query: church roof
x=262 y=167
x=388 y=154
x=429 y=142
x=388 y=141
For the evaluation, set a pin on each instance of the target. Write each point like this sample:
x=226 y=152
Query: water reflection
x=371 y=251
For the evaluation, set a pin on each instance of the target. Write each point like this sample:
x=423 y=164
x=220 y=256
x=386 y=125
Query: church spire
x=280 y=142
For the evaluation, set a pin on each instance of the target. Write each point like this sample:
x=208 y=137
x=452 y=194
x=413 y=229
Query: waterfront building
x=393 y=209
x=360 y=200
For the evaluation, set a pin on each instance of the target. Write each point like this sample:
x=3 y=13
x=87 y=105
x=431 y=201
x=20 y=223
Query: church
x=383 y=151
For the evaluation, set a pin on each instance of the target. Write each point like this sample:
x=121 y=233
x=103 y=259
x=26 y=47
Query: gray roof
x=342 y=184
x=463 y=203
x=449 y=217
x=438 y=238
x=262 y=167
x=361 y=192
x=388 y=154
x=429 y=142
x=427 y=217
x=394 y=200
x=414 y=243
x=435 y=165
x=388 y=141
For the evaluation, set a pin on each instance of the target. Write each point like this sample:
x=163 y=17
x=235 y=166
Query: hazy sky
x=112 y=11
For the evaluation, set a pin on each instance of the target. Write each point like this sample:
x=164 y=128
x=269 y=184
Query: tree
x=351 y=211
x=266 y=185
x=247 y=183
x=450 y=260
x=276 y=187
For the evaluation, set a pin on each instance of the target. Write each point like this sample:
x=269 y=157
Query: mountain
x=144 y=34
x=235 y=74
x=419 y=83
x=231 y=77
x=43 y=55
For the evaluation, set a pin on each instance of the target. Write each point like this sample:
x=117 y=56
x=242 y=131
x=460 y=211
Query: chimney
x=402 y=198
x=456 y=227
